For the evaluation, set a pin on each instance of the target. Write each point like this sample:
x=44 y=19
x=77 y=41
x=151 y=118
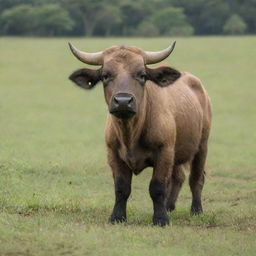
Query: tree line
x=127 y=17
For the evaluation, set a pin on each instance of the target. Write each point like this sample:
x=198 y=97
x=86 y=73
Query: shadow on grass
x=99 y=215
x=177 y=218
x=75 y=212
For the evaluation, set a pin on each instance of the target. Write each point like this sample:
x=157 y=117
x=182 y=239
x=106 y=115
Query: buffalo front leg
x=158 y=186
x=122 y=179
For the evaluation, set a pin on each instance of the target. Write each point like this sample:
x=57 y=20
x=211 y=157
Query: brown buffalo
x=157 y=117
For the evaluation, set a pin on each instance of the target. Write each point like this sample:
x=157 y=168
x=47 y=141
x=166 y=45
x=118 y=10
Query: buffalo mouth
x=122 y=105
x=123 y=114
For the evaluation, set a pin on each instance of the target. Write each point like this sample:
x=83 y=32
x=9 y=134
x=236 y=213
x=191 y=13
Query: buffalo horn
x=95 y=58
x=155 y=57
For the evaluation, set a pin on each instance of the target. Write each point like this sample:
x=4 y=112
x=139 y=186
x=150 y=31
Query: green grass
x=56 y=190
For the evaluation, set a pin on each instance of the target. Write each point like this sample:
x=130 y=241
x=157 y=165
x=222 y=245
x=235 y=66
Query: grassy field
x=56 y=190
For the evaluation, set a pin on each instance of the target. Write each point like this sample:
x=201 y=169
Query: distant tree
x=193 y=10
x=51 y=20
x=234 y=25
x=109 y=17
x=171 y=20
x=147 y=29
x=46 y=20
x=17 y=20
x=133 y=13
x=7 y=4
x=206 y=16
x=185 y=30
x=124 y=17
x=247 y=11
x=213 y=16
x=89 y=12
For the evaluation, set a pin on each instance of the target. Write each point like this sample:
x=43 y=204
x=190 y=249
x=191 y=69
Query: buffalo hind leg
x=174 y=187
x=196 y=179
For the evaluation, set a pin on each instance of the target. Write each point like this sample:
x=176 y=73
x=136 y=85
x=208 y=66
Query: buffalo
x=158 y=117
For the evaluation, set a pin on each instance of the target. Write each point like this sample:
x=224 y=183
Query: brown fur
x=170 y=130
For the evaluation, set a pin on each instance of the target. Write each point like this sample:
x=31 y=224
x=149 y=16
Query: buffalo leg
x=196 y=179
x=122 y=178
x=158 y=185
x=174 y=187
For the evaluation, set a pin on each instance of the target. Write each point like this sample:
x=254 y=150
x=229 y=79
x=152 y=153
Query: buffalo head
x=123 y=73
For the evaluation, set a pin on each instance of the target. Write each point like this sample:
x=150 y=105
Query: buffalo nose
x=123 y=99
x=122 y=105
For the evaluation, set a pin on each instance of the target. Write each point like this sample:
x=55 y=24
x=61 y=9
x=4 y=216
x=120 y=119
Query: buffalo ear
x=85 y=78
x=163 y=76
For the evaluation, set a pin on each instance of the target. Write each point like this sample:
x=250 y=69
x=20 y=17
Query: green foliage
x=185 y=30
x=133 y=13
x=56 y=189
x=17 y=20
x=88 y=11
x=46 y=20
x=110 y=17
x=247 y=9
x=213 y=15
x=51 y=19
x=234 y=25
x=123 y=18
x=147 y=29
x=167 y=18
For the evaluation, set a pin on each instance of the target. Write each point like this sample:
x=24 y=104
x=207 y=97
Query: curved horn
x=155 y=57
x=88 y=58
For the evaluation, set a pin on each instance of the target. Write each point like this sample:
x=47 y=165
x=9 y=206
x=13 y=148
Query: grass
x=56 y=190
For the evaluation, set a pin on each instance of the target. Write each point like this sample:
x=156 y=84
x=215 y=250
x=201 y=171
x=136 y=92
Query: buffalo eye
x=106 y=77
x=141 y=76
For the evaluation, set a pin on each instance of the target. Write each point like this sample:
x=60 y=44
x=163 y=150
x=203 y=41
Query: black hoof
x=116 y=219
x=196 y=208
x=170 y=207
x=196 y=211
x=160 y=221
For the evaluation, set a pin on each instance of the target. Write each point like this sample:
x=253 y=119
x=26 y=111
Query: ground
x=56 y=190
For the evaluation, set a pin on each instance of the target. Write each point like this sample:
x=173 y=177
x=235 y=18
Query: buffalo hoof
x=161 y=221
x=196 y=210
x=113 y=219
x=170 y=208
